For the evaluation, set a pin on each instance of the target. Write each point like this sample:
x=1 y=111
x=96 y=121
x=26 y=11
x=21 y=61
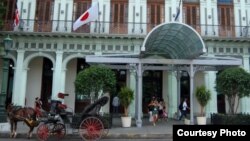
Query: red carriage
x=90 y=125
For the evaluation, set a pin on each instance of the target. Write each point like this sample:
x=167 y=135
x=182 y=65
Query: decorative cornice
x=226 y=39
x=73 y=35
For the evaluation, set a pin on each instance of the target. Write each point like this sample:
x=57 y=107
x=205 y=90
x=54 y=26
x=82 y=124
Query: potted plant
x=233 y=84
x=126 y=96
x=203 y=96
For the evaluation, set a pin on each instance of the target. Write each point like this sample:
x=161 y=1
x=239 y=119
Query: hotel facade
x=47 y=54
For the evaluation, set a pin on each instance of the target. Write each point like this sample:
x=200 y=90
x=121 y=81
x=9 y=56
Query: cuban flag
x=178 y=12
x=88 y=16
x=16 y=15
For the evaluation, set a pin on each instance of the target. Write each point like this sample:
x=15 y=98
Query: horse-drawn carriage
x=90 y=124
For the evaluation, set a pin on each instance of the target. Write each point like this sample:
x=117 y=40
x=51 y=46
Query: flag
x=177 y=15
x=16 y=15
x=88 y=16
x=178 y=12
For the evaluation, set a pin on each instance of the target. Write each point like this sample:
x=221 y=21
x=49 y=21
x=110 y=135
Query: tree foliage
x=95 y=79
x=234 y=84
x=203 y=96
x=2 y=12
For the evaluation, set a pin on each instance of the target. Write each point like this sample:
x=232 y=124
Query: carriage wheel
x=91 y=129
x=60 y=130
x=43 y=132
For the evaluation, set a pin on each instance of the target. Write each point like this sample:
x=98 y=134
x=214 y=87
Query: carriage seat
x=62 y=95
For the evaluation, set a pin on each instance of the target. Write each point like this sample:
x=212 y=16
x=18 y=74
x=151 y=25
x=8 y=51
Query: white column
x=19 y=85
x=62 y=83
x=132 y=85
x=57 y=75
x=245 y=102
x=210 y=78
x=172 y=94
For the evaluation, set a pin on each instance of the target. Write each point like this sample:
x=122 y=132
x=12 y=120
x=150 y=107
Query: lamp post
x=8 y=42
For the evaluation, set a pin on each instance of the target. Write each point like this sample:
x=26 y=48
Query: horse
x=25 y=114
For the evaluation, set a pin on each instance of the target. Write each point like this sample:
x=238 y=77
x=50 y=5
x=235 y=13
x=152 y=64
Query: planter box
x=201 y=120
x=187 y=121
x=107 y=121
x=226 y=119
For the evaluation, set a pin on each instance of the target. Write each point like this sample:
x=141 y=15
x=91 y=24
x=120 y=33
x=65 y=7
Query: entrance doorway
x=10 y=82
x=152 y=86
x=46 y=88
x=185 y=87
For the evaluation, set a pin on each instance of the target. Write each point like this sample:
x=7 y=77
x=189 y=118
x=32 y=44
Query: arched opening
x=46 y=85
x=10 y=79
x=39 y=82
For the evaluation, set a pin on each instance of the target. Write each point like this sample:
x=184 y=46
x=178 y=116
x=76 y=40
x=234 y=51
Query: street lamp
x=8 y=42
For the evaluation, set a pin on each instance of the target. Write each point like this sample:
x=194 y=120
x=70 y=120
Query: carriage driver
x=38 y=107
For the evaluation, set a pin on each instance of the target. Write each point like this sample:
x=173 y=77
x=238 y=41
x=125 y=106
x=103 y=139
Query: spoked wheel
x=59 y=130
x=91 y=129
x=43 y=132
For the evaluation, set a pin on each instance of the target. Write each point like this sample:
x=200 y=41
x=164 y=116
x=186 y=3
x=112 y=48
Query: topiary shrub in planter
x=234 y=84
x=203 y=96
x=95 y=79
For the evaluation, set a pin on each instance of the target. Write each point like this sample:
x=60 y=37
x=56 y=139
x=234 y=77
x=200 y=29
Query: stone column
x=172 y=94
x=245 y=102
x=133 y=86
x=20 y=77
x=210 y=83
x=57 y=75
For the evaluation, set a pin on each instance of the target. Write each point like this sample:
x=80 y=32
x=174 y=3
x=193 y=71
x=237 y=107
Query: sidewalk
x=163 y=129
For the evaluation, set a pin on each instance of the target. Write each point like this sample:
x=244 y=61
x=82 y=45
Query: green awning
x=173 y=41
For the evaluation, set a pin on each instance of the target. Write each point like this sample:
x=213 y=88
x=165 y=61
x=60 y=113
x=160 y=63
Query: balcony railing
x=102 y=27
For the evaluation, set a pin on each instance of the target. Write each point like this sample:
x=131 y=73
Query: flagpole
x=99 y=26
x=179 y=10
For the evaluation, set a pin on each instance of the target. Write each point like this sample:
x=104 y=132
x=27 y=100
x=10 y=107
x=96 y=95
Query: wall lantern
x=8 y=42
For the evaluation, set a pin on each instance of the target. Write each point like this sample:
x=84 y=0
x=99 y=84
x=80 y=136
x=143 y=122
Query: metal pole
x=191 y=73
x=139 y=96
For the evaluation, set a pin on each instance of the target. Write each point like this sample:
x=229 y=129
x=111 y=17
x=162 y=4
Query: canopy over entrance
x=173 y=41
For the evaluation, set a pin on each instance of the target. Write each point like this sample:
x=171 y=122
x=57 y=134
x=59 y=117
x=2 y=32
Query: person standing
x=116 y=104
x=153 y=110
x=38 y=107
x=184 y=109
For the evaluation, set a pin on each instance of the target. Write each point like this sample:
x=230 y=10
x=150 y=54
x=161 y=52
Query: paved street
x=161 y=132
x=34 y=139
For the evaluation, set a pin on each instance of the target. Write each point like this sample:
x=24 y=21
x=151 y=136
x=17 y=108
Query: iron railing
x=101 y=27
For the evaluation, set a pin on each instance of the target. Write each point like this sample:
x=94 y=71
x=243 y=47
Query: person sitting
x=38 y=107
